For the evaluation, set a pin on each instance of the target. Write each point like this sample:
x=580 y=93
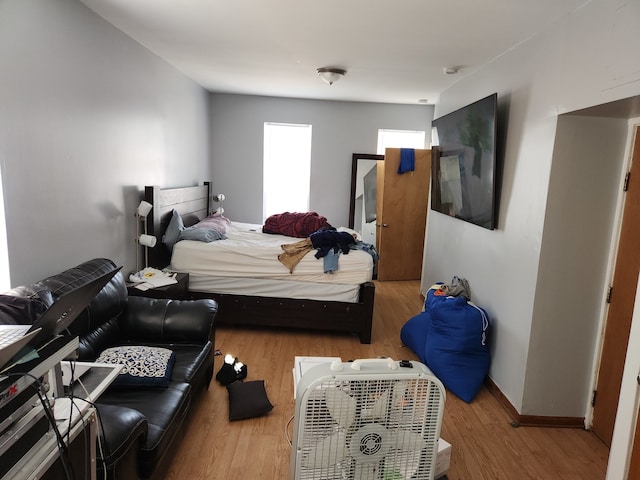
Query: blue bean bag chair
x=414 y=334
x=450 y=337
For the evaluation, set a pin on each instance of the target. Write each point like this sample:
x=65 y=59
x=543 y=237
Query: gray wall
x=339 y=130
x=87 y=118
x=541 y=273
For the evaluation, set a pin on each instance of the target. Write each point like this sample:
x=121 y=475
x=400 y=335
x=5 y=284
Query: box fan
x=371 y=419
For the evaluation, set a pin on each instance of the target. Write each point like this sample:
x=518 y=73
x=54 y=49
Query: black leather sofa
x=140 y=425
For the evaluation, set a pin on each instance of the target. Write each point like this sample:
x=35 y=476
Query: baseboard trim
x=531 y=420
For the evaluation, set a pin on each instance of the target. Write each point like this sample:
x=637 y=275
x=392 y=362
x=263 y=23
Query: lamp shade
x=144 y=208
x=147 y=240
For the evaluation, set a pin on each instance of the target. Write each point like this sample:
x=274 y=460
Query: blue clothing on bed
x=329 y=239
x=366 y=247
x=330 y=261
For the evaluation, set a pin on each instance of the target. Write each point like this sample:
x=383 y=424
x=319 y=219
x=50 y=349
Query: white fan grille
x=370 y=430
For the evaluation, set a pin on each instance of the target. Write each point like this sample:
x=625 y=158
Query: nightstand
x=176 y=291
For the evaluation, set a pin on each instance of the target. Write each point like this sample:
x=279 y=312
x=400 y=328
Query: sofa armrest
x=168 y=321
x=122 y=430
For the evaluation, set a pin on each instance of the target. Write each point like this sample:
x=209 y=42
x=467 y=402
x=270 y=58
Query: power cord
x=286 y=431
x=87 y=461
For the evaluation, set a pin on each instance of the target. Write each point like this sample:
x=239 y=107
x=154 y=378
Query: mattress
x=246 y=263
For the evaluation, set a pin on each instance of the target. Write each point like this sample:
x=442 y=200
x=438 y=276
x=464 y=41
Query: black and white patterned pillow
x=142 y=365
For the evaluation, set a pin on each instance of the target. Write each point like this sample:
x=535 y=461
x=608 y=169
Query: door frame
x=633 y=124
x=627 y=416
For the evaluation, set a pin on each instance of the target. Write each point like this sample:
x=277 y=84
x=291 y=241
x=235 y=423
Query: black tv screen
x=463 y=176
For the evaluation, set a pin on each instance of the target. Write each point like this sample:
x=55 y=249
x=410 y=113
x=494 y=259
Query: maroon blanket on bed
x=299 y=225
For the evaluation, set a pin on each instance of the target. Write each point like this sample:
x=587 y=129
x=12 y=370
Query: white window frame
x=400 y=139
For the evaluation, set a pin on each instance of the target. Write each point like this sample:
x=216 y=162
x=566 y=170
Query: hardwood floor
x=484 y=444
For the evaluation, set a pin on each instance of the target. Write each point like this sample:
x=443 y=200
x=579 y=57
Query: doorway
x=621 y=299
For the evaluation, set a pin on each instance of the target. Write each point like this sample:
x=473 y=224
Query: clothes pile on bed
x=294 y=224
x=244 y=260
x=328 y=241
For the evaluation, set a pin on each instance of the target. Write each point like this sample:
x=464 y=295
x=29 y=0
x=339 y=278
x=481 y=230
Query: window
x=399 y=139
x=286 y=168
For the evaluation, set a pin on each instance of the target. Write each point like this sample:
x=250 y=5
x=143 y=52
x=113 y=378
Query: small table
x=175 y=291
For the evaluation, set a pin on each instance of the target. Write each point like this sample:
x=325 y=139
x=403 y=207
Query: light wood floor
x=484 y=444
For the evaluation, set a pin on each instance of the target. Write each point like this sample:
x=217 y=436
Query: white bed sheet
x=249 y=253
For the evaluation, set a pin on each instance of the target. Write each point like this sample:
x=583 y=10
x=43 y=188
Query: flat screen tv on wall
x=463 y=177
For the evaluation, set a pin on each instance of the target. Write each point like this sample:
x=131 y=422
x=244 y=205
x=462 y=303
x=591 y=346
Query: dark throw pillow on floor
x=248 y=400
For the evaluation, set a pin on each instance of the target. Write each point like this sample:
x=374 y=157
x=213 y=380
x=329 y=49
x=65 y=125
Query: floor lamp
x=142 y=238
x=219 y=198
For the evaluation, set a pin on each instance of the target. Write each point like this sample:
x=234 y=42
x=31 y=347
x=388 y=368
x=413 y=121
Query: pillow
x=173 y=230
x=215 y=222
x=207 y=235
x=248 y=400
x=190 y=219
x=142 y=365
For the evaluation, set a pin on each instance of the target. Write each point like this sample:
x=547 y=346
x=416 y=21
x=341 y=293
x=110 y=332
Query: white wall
x=87 y=118
x=339 y=129
x=585 y=182
x=535 y=301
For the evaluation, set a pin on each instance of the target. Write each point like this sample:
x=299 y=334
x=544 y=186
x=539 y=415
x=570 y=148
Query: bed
x=258 y=294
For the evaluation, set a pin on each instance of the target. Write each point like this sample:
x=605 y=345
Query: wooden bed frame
x=253 y=310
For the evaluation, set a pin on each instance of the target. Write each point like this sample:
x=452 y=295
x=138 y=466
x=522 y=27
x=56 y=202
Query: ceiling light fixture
x=331 y=74
x=450 y=70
